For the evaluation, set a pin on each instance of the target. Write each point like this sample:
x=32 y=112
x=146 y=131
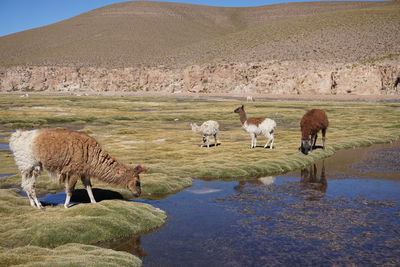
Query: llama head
x=305 y=146
x=239 y=109
x=134 y=182
x=195 y=127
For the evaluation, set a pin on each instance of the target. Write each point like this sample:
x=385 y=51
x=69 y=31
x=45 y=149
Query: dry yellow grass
x=155 y=132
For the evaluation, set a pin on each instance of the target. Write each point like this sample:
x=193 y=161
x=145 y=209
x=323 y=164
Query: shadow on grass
x=211 y=145
x=314 y=147
x=265 y=147
x=79 y=196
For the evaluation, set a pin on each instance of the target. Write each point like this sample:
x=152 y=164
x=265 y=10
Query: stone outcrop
x=238 y=78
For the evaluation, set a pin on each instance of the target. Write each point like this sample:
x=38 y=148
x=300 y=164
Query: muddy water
x=341 y=211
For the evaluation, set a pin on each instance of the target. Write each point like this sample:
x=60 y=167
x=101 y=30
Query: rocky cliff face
x=238 y=78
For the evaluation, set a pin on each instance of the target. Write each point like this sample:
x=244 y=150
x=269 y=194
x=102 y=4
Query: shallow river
x=341 y=211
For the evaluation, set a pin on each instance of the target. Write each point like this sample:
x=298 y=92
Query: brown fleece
x=75 y=155
x=255 y=121
x=312 y=122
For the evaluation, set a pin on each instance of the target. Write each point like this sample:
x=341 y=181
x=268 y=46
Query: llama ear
x=138 y=169
x=242 y=106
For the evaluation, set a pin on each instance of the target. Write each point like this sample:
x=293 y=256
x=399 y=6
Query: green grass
x=67 y=255
x=87 y=224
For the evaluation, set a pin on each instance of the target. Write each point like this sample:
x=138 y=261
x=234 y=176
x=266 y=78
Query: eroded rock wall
x=254 y=78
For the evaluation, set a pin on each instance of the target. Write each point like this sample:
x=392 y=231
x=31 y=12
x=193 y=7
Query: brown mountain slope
x=178 y=35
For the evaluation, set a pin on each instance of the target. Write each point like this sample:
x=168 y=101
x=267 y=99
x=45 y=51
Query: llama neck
x=195 y=128
x=110 y=171
x=242 y=116
x=305 y=134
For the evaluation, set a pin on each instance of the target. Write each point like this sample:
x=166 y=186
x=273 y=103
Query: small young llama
x=313 y=121
x=69 y=156
x=257 y=126
x=207 y=129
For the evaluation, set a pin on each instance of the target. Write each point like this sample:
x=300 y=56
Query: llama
x=310 y=178
x=257 y=126
x=68 y=156
x=313 y=121
x=207 y=129
x=250 y=98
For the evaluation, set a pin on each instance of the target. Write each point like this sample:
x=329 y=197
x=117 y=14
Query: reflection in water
x=310 y=178
x=131 y=245
x=268 y=180
x=202 y=191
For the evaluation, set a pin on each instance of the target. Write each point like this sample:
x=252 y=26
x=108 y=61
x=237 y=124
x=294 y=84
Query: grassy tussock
x=87 y=224
x=67 y=255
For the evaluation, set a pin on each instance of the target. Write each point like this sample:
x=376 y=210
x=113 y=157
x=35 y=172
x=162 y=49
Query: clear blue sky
x=19 y=15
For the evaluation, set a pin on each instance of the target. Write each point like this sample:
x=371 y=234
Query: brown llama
x=313 y=121
x=69 y=156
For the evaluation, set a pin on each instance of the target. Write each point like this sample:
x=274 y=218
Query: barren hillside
x=155 y=38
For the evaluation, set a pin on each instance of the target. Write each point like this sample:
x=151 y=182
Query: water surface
x=341 y=211
x=4 y=146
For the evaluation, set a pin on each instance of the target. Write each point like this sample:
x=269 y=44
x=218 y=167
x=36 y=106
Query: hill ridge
x=291 y=48
x=138 y=32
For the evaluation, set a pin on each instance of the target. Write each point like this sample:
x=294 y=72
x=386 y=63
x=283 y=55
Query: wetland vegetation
x=155 y=132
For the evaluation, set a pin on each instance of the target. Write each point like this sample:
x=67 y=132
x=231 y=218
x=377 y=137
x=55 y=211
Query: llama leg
x=315 y=139
x=268 y=140
x=90 y=193
x=253 y=140
x=28 y=184
x=323 y=138
x=272 y=141
x=88 y=187
x=216 y=139
x=208 y=140
x=70 y=183
x=311 y=142
x=204 y=138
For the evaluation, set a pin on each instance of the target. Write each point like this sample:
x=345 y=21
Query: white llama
x=207 y=129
